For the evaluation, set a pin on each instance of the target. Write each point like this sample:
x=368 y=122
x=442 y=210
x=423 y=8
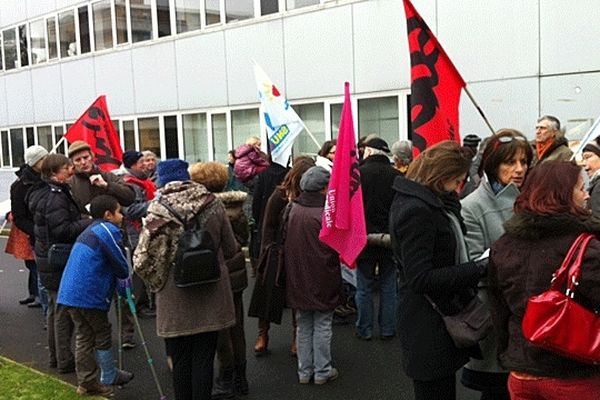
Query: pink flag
x=343 y=224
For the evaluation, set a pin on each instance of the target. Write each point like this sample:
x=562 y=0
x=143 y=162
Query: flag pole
x=62 y=139
x=586 y=138
x=311 y=135
x=480 y=110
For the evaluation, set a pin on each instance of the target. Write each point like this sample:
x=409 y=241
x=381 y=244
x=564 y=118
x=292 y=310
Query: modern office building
x=178 y=73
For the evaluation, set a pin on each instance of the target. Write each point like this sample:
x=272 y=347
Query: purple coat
x=313 y=276
x=248 y=162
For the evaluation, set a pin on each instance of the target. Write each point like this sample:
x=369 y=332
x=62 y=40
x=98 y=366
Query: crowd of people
x=487 y=219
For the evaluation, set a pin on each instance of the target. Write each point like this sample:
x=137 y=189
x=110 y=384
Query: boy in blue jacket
x=96 y=262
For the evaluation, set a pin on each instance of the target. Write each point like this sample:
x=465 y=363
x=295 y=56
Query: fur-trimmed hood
x=535 y=226
x=232 y=197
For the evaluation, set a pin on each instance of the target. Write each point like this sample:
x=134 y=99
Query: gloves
x=123 y=285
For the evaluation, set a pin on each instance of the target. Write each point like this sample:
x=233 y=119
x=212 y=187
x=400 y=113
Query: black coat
x=521 y=265
x=424 y=245
x=376 y=178
x=57 y=219
x=22 y=217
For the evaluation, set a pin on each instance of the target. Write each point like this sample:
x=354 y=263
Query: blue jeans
x=388 y=288
x=314 y=343
x=43 y=296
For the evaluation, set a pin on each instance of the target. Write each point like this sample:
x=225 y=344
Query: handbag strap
x=559 y=276
x=575 y=270
x=435 y=306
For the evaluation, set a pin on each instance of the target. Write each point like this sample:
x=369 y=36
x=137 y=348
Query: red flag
x=95 y=128
x=343 y=224
x=435 y=86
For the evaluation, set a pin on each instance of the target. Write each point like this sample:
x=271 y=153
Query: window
x=212 y=12
x=171 y=140
x=45 y=137
x=335 y=112
x=121 y=21
x=245 y=123
x=219 y=134
x=66 y=31
x=1 y=62
x=163 y=16
x=379 y=116
x=187 y=14
x=269 y=7
x=313 y=116
x=149 y=135
x=102 y=25
x=237 y=10
x=37 y=31
x=10 y=49
x=17 y=147
x=84 y=30
x=292 y=4
x=23 y=47
x=59 y=132
x=5 y=149
x=30 y=136
x=128 y=135
x=141 y=20
x=195 y=146
x=52 y=43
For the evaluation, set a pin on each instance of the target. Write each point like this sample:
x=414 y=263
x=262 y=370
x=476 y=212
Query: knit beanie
x=314 y=179
x=593 y=147
x=33 y=154
x=171 y=170
x=130 y=157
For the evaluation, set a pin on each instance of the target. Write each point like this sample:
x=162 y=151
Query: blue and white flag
x=283 y=124
x=592 y=134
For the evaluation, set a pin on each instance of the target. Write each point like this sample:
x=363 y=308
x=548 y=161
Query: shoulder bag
x=553 y=321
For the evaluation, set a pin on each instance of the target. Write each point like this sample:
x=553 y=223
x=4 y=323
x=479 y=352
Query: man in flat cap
x=376 y=261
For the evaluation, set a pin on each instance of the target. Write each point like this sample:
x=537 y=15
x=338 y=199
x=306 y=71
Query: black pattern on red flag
x=435 y=86
x=96 y=128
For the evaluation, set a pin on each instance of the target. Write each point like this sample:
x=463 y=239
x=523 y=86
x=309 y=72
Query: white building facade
x=178 y=74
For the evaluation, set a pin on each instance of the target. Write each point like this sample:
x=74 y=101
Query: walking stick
x=119 y=328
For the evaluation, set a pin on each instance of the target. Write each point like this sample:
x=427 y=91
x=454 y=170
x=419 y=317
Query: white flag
x=283 y=124
x=588 y=137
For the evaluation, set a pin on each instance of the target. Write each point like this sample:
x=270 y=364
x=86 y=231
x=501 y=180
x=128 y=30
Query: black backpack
x=196 y=261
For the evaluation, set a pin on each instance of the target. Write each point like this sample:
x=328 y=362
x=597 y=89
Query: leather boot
x=240 y=382
x=223 y=387
x=260 y=347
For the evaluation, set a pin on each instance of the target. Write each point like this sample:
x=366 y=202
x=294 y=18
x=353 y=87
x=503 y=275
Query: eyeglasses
x=508 y=139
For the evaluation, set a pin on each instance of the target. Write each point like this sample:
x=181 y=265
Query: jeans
x=388 y=288
x=193 y=358
x=43 y=296
x=554 y=388
x=314 y=343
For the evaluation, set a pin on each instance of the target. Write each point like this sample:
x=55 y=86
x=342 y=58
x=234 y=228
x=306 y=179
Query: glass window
x=59 y=132
x=121 y=21
x=149 y=135
x=245 y=123
x=37 y=31
x=313 y=116
x=237 y=10
x=195 y=146
x=52 y=41
x=66 y=30
x=10 y=49
x=269 y=7
x=5 y=149
x=187 y=14
x=163 y=15
x=219 y=134
x=30 y=136
x=335 y=112
x=45 y=137
x=128 y=135
x=212 y=11
x=379 y=116
x=102 y=25
x=171 y=139
x=292 y=4
x=1 y=62
x=17 y=147
x=141 y=20
x=23 y=47
x=84 y=29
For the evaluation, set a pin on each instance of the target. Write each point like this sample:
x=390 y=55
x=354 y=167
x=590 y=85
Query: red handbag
x=555 y=322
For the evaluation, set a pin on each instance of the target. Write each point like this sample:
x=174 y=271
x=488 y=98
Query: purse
x=466 y=328
x=58 y=255
x=554 y=322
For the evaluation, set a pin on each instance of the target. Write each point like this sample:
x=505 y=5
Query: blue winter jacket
x=96 y=261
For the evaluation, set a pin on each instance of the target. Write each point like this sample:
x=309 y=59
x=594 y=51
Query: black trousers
x=192 y=358
x=32 y=282
x=439 y=389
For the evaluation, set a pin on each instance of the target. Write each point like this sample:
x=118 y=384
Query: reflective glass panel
x=10 y=49
x=313 y=116
x=379 y=116
x=17 y=147
x=66 y=29
x=84 y=29
x=245 y=123
x=237 y=10
x=219 y=133
x=195 y=143
x=141 y=20
x=37 y=31
x=52 y=41
x=171 y=139
x=149 y=135
x=187 y=14
x=212 y=11
x=102 y=25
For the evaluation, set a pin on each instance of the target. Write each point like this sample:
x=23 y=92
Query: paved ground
x=368 y=370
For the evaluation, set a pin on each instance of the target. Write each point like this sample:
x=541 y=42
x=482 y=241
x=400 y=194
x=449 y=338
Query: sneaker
x=386 y=338
x=123 y=377
x=361 y=337
x=94 y=389
x=305 y=380
x=27 y=300
x=35 y=304
x=128 y=343
x=333 y=375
